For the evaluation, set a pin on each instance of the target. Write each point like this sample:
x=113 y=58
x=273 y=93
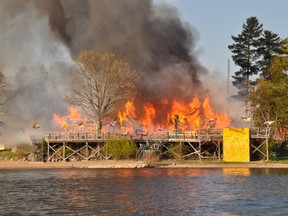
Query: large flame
x=180 y=116
x=74 y=122
x=223 y=119
x=61 y=121
x=164 y=116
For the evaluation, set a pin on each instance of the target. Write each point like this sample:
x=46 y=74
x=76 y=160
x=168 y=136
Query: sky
x=217 y=20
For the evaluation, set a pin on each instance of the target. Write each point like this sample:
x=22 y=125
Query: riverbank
x=134 y=164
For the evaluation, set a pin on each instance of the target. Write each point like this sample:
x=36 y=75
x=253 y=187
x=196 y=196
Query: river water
x=148 y=191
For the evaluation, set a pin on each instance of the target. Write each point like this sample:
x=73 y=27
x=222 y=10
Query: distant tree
x=100 y=81
x=270 y=99
x=245 y=55
x=2 y=83
x=270 y=45
x=3 y=98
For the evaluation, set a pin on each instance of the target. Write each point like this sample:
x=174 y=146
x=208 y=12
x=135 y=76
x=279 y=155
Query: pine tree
x=270 y=46
x=245 y=55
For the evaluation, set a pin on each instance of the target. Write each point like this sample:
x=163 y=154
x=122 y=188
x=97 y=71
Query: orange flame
x=74 y=114
x=150 y=114
x=223 y=119
x=61 y=121
x=74 y=121
x=165 y=115
x=191 y=116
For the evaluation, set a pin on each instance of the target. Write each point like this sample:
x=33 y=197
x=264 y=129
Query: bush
x=7 y=154
x=23 y=150
x=121 y=149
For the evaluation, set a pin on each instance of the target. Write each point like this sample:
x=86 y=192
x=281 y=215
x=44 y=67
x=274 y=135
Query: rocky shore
x=132 y=164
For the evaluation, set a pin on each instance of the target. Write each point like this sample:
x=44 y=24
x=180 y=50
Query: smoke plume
x=151 y=37
x=40 y=38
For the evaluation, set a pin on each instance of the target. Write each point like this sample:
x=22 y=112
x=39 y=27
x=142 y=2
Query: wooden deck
x=201 y=144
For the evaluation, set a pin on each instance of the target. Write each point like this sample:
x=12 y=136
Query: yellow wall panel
x=236 y=145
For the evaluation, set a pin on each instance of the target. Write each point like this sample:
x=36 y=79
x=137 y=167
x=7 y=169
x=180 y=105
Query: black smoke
x=151 y=37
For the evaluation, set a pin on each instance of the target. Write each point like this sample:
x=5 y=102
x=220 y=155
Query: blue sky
x=217 y=20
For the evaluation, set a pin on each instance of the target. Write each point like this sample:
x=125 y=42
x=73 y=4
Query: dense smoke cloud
x=151 y=37
x=39 y=39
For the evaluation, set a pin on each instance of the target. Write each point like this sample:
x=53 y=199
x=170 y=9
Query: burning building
x=180 y=117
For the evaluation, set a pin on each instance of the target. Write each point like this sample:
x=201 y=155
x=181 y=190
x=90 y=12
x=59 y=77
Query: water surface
x=177 y=191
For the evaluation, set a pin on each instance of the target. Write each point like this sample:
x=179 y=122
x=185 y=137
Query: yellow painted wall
x=236 y=145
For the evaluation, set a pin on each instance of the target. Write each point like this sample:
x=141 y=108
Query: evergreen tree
x=245 y=55
x=270 y=46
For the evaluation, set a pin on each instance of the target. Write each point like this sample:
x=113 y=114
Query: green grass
x=21 y=151
x=7 y=154
x=279 y=161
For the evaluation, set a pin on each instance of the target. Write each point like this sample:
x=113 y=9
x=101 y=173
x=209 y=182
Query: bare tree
x=3 y=99
x=100 y=81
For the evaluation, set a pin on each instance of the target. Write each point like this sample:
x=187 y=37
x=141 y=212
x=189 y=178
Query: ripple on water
x=144 y=192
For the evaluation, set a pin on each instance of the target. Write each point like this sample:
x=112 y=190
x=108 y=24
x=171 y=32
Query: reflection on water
x=236 y=171
x=227 y=191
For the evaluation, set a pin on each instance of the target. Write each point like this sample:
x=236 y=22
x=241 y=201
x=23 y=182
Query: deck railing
x=260 y=132
x=171 y=135
x=89 y=136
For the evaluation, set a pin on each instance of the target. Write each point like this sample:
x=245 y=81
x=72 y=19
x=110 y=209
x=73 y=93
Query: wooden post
x=64 y=149
x=219 y=150
x=181 y=149
x=86 y=151
x=200 y=150
x=48 y=152
x=267 y=143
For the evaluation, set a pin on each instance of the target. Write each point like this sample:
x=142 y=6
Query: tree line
x=262 y=77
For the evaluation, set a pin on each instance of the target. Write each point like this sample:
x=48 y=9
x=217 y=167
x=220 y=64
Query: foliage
x=23 y=150
x=245 y=54
x=3 y=85
x=270 y=45
x=264 y=54
x=7 y=154
x=100 y=82
x=269 y=101
x=282 y=150
x=121 y=149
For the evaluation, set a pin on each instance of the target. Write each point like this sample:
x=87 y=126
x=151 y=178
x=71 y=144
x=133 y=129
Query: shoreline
x=132 y=164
